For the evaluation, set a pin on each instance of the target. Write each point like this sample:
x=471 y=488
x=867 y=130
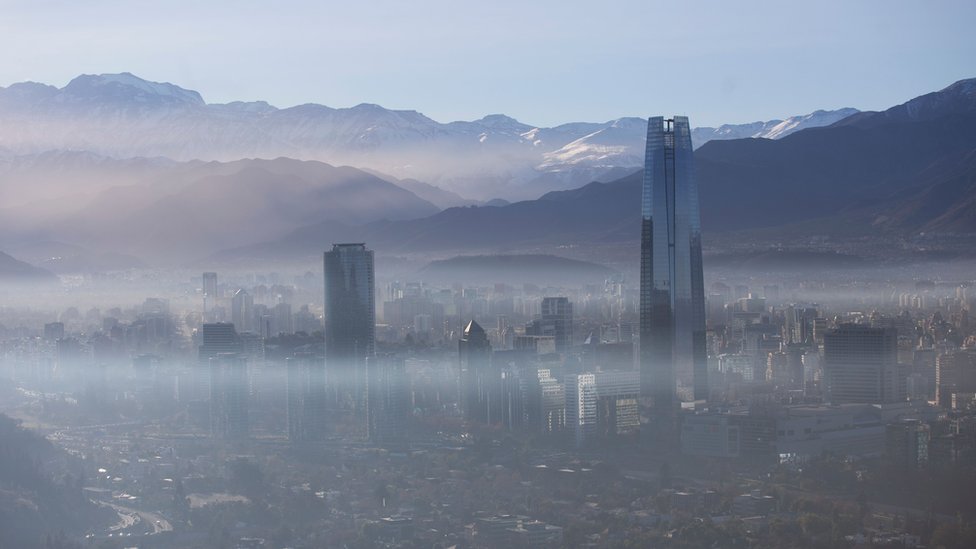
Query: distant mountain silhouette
x=122 y=115
x=13 y=270
x=177 y=211
x=867 y=168
x=590 y=214
x=910 y=168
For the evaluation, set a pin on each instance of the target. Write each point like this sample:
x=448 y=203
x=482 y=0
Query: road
x=129 y=519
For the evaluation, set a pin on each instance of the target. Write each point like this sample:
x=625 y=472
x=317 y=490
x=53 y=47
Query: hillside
x=124 y=116
x=173 y=212
x=886 y=174
x=40 y=492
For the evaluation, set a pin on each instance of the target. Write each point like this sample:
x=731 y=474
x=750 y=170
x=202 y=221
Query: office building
x=481 y=397
x=242 y=310
x=861 y=365
x=907 y=443
x=557 y=320
x=54 y=331
x=601 y=405
x=209 y=289
x=672 y=294
x=955 y=373
x=282 y=320
x=218 y=337
x=350 y=320
x=544 y=400
x=209 y=285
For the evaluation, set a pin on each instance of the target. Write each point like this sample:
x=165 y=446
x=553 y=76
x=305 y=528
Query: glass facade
x=350 y=319
x=672 y=296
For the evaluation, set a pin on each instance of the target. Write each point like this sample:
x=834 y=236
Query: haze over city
x=445 y=275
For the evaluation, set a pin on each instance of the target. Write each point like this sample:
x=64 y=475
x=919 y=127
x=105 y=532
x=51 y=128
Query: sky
x=543 y=62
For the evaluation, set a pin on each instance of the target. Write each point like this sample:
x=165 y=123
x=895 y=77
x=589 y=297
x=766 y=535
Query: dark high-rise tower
x=672 y=294
x=242 y=310
x=218 y=337
x=209 y=292
x=480 y=382
x=350 y=319
x=558 y=312
x=861 y=365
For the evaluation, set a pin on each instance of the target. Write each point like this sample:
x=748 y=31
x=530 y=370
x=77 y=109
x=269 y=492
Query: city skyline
x=245 y=325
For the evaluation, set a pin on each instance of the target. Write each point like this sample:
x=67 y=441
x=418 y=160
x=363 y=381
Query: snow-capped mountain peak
x=813 y=120
x=122 y=115
x=127 y=87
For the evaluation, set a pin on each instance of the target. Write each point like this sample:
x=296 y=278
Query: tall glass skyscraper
x=672 y=294
x=350 y=320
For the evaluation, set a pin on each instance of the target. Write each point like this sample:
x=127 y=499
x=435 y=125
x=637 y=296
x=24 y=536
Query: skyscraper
x=601 y=404
x=218 y=337
x=558 y=312
x=210 y=284
x=350 y=319
x=480 y=385
x=672 y=293
x=861 y=365
x=209 y=291
x=242 y=311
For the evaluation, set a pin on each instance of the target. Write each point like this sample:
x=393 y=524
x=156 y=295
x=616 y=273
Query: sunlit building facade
x=672 y=294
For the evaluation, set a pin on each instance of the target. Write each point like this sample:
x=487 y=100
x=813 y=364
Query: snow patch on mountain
x=815 y=119
x=122 y=116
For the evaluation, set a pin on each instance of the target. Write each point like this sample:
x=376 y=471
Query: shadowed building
x=672 y=295
x=480 y=382
x=861 y=365
x=955 y=372
x=209 y=293
x=242 y=310
x=350 y=320
x=556 y=320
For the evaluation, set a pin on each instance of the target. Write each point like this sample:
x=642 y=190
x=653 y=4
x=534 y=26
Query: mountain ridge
x=890 y=175
x=122 y=115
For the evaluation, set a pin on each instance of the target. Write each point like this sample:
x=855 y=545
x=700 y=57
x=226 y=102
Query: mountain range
x=909 y=169
x=901 y=171
x=123 y=116
x=174 y=211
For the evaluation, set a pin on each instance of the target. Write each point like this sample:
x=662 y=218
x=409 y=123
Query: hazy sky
x=541 y=61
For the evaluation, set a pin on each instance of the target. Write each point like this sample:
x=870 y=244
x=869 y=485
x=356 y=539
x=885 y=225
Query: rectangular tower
x=350 y=320
x=861 y=365
x=672 y=293
x=558 y=312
